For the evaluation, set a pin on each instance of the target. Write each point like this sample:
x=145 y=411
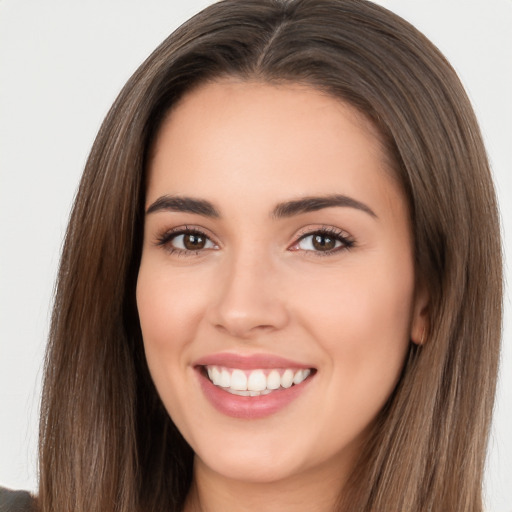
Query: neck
x=306 y=492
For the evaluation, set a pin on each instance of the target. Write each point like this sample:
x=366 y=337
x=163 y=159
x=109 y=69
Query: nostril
x=247 y=305
x=244 y=327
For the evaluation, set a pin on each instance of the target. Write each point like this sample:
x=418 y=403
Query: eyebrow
x=313 y=204
x=282 y=210
x=184 y=204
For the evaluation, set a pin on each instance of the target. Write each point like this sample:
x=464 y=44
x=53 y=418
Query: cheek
x=360 y=301
x=169 y=310
x=156 y=313
x=362 y=321
x=168 y=317
x=169 y=313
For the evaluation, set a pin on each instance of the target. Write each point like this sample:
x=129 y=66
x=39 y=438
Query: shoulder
x=15 y=501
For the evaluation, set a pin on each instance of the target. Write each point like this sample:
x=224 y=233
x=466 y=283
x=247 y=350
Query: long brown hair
x=106 y=443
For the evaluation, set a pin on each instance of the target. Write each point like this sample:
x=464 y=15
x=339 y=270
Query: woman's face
x=277 y=262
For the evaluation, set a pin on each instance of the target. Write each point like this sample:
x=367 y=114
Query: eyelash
x=165 y=239
x=344 y=239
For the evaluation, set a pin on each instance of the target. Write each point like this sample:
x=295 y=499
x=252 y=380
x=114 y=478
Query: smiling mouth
x=256 y=382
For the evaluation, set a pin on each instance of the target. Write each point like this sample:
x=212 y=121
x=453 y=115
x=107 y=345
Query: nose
x=250 y=299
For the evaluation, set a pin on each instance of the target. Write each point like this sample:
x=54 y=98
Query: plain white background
x=62 y=63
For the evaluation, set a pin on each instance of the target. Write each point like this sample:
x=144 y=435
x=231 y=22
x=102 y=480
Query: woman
x=176 y=272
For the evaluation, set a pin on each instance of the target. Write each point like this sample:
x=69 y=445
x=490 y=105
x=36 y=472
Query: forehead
x=266 y=140
x=235 y=97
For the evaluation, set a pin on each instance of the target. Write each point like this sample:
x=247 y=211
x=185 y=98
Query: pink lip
x=247 y=407
x=252 y=362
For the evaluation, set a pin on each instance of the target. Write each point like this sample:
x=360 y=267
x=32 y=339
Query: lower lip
x=249 y=407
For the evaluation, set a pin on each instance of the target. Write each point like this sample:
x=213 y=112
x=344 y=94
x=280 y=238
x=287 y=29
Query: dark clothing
x=15 y=501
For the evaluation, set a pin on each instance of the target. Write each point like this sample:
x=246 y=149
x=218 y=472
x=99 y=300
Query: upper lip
x=248 y=362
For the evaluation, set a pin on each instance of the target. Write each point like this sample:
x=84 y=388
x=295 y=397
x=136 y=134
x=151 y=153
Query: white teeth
x=225 y=378
x=287 y=379
x=273 y=380
x=215 y=376
x=238 y=380
x=255 y=382
x=298 y=377
x=238 y=392
x=301 y=375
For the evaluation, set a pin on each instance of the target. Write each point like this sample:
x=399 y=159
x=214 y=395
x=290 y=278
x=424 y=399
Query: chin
x=251 y=465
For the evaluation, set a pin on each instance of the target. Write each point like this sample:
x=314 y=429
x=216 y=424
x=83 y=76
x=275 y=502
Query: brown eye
x=186 y=241
x=326 y=242
x=323 y=243
x=194 y=241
